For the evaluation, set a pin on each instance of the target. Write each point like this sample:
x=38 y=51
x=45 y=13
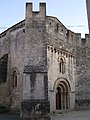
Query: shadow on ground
x=9 y=116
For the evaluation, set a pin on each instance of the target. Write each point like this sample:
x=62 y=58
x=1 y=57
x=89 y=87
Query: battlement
x=34 y=15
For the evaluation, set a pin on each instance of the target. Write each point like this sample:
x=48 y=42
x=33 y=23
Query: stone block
x=35 y=110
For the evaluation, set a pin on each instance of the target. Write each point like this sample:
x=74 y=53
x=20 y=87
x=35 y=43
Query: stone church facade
x=42 y=62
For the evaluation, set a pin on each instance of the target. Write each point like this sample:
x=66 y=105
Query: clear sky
x=72 y=13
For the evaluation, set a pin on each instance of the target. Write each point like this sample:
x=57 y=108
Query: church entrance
x=62 y=96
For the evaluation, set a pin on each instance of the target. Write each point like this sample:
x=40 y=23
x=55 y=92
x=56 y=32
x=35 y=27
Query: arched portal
x=62 y=95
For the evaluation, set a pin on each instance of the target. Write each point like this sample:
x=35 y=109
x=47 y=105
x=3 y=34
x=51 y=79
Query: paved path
x=74 y=115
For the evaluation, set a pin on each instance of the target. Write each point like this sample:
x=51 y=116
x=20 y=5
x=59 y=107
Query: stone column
x=88 y=13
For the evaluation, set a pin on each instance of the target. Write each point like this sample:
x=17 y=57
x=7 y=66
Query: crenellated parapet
x=34 y=15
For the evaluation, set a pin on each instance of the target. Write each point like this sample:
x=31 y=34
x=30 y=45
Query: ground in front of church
x=73 y=115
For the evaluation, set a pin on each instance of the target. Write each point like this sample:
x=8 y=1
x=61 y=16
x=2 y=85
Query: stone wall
x=4 y=89
x=83 y=74
x=59 y=36
x=12 y=43
x=61 y=44
x=17 y=62
x=54 y=74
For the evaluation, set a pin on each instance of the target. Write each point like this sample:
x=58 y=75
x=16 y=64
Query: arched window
x=15 y=77
x=62 y=66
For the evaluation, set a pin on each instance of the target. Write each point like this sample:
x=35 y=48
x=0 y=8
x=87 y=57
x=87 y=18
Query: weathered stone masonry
x=47 y=68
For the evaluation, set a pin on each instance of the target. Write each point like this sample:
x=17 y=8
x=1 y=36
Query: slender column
x=88 y=13
x=65 y=100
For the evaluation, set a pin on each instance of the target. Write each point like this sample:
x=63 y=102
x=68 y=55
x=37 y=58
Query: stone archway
x=62 y=95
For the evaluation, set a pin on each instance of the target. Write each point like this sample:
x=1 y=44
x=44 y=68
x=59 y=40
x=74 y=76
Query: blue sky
x=72 y=13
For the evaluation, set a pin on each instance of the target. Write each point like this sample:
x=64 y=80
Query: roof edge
x=14 y=27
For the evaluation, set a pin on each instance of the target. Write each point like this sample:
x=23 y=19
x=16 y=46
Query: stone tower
x=35 y=84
